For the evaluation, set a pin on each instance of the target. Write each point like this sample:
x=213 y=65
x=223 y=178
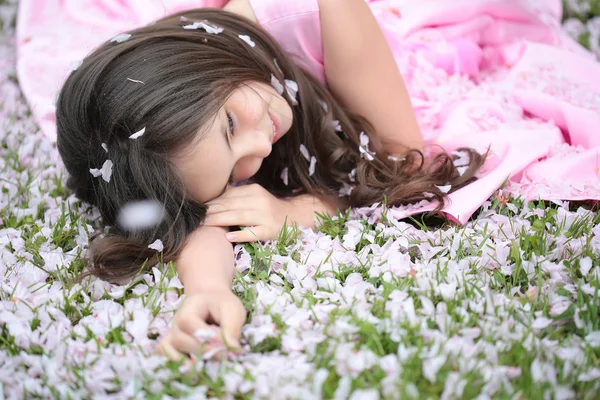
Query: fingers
x=250 y=234
x=232 y=218
x=224 y=204
x=167 y=349
x=232 y=317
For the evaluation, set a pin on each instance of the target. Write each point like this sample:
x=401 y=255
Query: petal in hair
x=445 y=188
x=324 y=105
x=396 y=159
x=337 y=126
x=205 y=25
x=247 y=39
x=276 y=84
x=352 y=175
x=462 y=160
x=157 y=245
x=105 y=147
x=364 y=147
x=75 y=65
x=138 y=133
x=141 y=215
x=305 y=152
x=345 y=190
x=135 y=81
x=364 y=140
x=105 y=172
x=462 y=170
x=284 y=176
x=313 y=164
x=120 y=38
x=292 y=90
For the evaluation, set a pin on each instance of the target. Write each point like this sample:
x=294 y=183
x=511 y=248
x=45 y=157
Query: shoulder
x=241 y=7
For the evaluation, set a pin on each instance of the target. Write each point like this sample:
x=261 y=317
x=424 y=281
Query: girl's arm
x=205 y=267
x=206 y=261
x=361 y=70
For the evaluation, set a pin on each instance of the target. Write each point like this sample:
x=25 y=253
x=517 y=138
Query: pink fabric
x=480 y=73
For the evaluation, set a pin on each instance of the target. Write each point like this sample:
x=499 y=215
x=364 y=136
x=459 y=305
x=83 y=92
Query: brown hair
x=171 y=81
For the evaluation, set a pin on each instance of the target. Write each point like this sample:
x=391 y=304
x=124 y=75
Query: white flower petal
x=364 y=140
x=585 y=265
x=140 y=215
x=305 y=152
x=313 y=164
x=345 y=190
x=276 y=84
x=157 y=245
x=138 y=133
x=120 y=38
x=337 y=126
x=204 y=335
x=135 y=81
x=284 y=176
x=247 y=39
x=462 y=170
x=105 y=147
x=105 y=171
x=395 y=159
x=75 y=65
x=444 y=188
x=205 y=25
x=292 y=90
x=352 y=175
x=324 y=105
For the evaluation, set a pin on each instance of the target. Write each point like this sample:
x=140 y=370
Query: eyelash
x=230 y=124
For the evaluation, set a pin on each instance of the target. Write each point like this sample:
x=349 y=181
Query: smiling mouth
x=275 y=128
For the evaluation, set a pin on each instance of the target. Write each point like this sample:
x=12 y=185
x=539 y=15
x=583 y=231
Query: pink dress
x=499 y=73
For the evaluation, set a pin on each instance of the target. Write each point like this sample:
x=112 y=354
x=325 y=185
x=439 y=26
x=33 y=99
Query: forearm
x=206 y=261
x=355 y=50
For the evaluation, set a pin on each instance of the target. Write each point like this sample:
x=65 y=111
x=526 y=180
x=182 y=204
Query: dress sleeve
x=297 y=28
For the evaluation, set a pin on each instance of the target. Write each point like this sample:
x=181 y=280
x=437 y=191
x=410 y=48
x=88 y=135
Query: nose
x=259 y=144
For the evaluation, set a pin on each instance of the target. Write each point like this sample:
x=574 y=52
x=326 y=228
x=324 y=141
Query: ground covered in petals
x=366 y=308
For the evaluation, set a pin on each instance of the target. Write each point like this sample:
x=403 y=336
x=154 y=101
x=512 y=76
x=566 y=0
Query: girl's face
x=235 y=143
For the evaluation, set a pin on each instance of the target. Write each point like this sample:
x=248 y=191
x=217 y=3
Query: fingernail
x=231 y=236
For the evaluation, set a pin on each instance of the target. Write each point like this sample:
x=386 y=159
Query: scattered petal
x=120 y=38
x=105 y=147
x=396 y=159
x=247 y=39
x=105 y=172
x=138 y=133
x=313 y=164
x=276 y=84
x=135 y=81
x=205 y=25
x=140 y=215
x=305 y=152
x=284 y=176
x=157 y=245
x=75 y=65
x=292 y=90
x=444 y=188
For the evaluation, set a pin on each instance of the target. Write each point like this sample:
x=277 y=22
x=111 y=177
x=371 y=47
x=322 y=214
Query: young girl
x=206 y=114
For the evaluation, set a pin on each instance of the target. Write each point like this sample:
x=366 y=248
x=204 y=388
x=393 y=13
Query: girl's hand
x=191 y=333
x=252 y=206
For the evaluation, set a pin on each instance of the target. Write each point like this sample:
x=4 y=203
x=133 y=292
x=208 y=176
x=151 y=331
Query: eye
x=230 y=124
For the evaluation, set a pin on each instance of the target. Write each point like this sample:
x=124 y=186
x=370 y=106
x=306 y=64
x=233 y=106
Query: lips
x=276 y=128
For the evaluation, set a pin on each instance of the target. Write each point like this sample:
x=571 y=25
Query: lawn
x=368 y=307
